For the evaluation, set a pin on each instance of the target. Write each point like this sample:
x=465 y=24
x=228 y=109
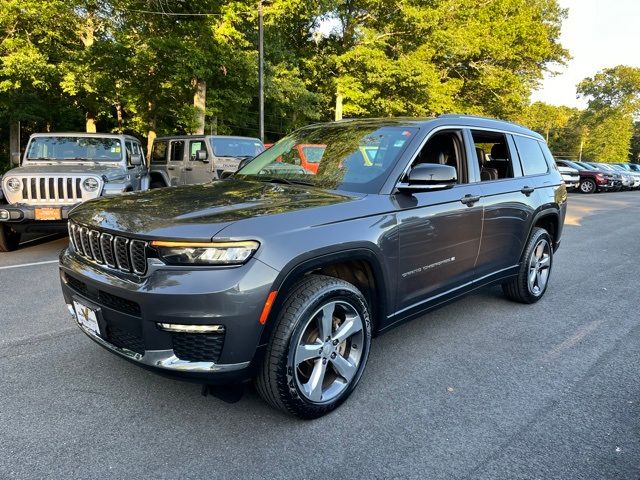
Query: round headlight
x=14 y=184
x=90 y=184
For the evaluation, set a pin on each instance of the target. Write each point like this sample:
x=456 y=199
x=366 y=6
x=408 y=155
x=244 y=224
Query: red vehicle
x=308 y=156
x=591 y=180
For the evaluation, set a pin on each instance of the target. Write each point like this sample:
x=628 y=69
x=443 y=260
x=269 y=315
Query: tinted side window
x=493 y=155
x=177 y=151
x=443 y=148
x=159 y=153
x=531 y=156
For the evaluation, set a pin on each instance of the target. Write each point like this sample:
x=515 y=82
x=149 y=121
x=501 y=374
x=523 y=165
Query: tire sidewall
x=355 y=299
x=588 y=182
x=537 y=235
x=9 y=239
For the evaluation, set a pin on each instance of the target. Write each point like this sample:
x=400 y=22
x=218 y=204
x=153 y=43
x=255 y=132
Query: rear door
x=509 y=202
x=197 y=171
x=176 y=163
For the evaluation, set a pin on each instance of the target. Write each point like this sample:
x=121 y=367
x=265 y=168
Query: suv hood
x=111 y=171
x=199 y=212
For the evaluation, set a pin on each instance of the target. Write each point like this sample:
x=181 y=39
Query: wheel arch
x=360 y=266
x=549 y=219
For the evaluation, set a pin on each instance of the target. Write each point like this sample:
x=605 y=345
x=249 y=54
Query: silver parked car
x=61 y=170
x=193 y=159
x=570 y=176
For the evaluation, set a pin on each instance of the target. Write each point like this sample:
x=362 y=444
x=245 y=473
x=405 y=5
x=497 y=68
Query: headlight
x=90 y=184
x=215 y=253
x=14 y=184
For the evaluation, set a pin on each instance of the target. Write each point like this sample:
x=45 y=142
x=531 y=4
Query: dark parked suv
x=284 y=276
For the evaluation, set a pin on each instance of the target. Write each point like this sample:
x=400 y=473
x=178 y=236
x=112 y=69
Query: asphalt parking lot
x=483 y=388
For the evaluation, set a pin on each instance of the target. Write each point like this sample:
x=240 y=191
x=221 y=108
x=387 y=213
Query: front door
x=197 y=171
x=439 y=231
x=175 y=163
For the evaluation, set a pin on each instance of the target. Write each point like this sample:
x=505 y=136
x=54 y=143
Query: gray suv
x=60 y=170
x=284 y=276
x=192 y=159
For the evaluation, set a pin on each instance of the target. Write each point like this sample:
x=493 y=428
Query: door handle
x=188 y=169
x=171 y=168
x=527 y=190
x=469 y=200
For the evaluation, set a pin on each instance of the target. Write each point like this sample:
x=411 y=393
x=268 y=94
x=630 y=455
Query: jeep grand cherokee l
x=283 y=276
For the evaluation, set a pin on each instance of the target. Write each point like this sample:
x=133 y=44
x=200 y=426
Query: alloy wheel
x=587 y=187
x=539 y=267
x=328 y=352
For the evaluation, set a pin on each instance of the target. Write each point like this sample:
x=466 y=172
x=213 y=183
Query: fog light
x=4 y=215
x=175 y=327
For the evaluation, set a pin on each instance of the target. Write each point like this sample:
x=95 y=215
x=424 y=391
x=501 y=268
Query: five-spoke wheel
x=319 y=347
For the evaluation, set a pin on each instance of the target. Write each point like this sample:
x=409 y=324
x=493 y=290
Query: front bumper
x=23 y=216
x=129 y=311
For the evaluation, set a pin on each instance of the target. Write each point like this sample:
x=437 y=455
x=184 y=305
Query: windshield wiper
x=285 y=181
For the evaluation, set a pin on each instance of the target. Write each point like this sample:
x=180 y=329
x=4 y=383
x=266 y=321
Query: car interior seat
x=486 y=173
x=500 y=160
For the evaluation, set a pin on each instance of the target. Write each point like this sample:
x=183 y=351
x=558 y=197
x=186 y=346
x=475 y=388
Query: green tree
x=613 y=99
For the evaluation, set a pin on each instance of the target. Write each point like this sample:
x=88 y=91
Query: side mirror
x=136 y=159
x=15 y=159
x=429 y=176
x=202 y=156
x=243 y=162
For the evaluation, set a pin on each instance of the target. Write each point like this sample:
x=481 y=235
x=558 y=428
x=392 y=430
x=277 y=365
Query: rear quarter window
x=531 y=156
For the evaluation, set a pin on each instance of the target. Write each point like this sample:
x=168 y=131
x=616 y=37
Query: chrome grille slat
x=119 y=253
x=121 y=248
x=106 y=242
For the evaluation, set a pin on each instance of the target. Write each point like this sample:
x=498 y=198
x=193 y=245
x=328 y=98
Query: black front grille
x=198 y=347
x=118 y=303
x=103 y=248
x=103 y=298
x=77 y=285
x=124 y=339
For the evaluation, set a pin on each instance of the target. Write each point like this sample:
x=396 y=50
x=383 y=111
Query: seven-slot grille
x=114 y=251
x=55 y=190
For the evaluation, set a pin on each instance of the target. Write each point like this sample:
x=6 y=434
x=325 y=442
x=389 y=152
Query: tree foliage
x=133 y=65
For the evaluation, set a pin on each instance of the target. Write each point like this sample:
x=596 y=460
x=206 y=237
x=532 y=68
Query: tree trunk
x=200 y=102
x=338 y=105
x=91 y=123
x=119 y=116
x=14 y=142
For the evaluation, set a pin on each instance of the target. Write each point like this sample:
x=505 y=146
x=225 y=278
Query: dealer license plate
x=87 y=317
x=48 y=213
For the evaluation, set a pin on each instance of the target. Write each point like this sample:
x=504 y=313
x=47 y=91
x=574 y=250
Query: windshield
x=313 y=153
x=353 y=157
x=75 y=148
x=586 y=166
x=236 y=147
x=634 y=167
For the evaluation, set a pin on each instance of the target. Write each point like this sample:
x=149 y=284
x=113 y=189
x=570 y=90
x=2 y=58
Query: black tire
x=278 y=379
x=519 y=289
x=9 y=238
x=157 y=184
x=588 y=186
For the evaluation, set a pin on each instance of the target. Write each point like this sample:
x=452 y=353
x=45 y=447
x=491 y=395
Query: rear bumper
x=129 y=312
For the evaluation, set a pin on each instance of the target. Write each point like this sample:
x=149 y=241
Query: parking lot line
x=22 y=265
